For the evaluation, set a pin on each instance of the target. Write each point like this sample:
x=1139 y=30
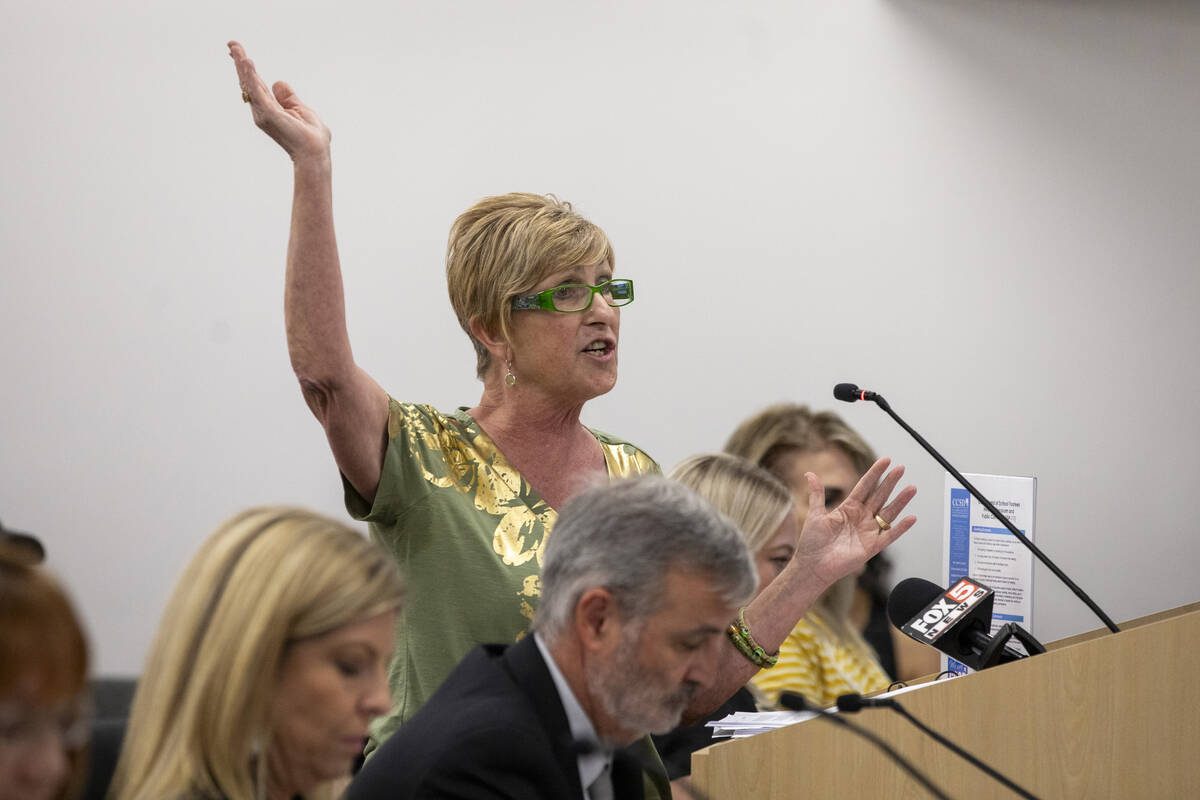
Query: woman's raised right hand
x=279 y=112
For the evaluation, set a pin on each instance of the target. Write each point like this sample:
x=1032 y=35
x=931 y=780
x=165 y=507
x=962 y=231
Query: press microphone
x=854 y=702
x=957 y=621
x=796 y=702
x=850 y=393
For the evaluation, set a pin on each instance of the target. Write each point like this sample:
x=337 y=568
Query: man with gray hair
x=640 y=579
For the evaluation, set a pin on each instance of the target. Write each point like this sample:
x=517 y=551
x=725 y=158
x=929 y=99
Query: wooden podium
x=1099 y=715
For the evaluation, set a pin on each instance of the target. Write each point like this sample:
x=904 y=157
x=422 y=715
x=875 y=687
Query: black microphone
x=796 y=702
x=957 y=621
x=851 y=393
x=855 y=702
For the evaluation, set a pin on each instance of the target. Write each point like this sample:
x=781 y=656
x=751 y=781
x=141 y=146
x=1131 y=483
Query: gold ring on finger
x=882 y=523
x=245 y=96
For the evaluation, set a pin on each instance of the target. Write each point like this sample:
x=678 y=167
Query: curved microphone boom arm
x=850 y=393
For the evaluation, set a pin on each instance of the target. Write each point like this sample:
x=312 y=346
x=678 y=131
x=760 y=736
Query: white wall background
x=986 y=210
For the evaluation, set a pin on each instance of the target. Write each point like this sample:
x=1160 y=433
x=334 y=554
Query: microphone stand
x=796 y=702
x=1022 y=538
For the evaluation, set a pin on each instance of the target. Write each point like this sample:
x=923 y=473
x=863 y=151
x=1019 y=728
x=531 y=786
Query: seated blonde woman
x=762 y=509
x=825 y=655
x=267 y=667
x=43 y=680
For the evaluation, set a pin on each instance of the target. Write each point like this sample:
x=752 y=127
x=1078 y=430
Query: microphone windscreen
x=850 y=702
x=909 y=597
x=847 y=392
x=793 y=701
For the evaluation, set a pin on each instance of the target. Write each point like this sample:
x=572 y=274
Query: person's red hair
x=43 y=652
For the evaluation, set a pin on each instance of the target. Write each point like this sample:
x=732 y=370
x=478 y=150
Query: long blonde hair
x=767 y=438
x=752 y=498
x=201 y=719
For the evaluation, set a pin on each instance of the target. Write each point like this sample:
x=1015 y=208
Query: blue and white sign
x=975 y=543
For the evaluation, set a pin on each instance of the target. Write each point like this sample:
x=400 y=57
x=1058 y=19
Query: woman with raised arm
x=826 y=654
x=464 y=500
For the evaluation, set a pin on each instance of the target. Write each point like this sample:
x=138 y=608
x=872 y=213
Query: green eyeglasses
x=577 y=296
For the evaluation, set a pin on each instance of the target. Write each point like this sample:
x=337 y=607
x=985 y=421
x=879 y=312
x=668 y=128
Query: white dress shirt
x=595 y=767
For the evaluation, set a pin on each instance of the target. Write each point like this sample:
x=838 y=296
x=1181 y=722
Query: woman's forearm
x=771 y=617
x=832 y=544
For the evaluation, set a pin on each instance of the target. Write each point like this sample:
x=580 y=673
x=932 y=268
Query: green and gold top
x=468 y=533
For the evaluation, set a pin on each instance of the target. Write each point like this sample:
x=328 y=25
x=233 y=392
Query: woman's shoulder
x=424 y=421
x=624 y=457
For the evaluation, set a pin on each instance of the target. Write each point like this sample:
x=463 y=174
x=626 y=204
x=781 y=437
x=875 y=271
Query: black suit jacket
x=494 y=729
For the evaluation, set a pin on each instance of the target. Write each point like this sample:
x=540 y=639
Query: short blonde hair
x=40 y=638
x=502 y=247
x=752 y=498
x=772 y=433
x=201 y=717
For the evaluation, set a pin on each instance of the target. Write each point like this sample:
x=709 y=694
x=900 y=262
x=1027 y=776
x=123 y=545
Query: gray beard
x=634 y=697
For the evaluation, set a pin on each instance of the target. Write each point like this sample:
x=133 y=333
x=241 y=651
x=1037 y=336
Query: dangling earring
x=509 y=378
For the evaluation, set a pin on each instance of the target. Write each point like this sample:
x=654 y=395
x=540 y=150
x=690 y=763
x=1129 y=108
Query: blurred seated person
x=762 y=509
x=901 y=657
x=826 y=654
x=43 y=680
x=267 y=666
x=21 y=547
x=639 y=583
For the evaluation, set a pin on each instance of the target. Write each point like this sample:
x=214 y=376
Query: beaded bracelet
x=756 y=656
x=743 y=640
x=744 y=629
x=740 y=644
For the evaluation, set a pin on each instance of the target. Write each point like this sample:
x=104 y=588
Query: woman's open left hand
x=834 y=543
x=279 y=112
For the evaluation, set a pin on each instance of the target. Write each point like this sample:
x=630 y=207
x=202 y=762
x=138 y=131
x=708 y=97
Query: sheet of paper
x=975 y=543
x=741 y=724
x=750 y=723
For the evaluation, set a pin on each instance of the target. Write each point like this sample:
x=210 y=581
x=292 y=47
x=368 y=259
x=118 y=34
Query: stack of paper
x=749 y=723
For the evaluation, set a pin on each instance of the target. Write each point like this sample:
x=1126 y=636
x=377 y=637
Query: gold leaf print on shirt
x=521 y=535
x=531 y=588
x=490 y=486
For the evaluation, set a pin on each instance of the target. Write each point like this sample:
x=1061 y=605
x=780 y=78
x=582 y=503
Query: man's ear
x=499 y=348
x=597 y=621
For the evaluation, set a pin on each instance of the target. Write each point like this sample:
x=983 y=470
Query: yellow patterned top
x=821 y=665
x=468 y=533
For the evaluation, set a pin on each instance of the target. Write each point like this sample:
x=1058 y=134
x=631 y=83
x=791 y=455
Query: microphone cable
x=853 y=703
